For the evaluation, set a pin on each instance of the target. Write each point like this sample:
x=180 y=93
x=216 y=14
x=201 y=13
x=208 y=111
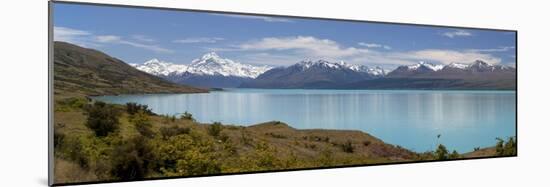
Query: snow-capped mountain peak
x=209 y=64
x=308 y=63
x=425 y=65
x=158 y=67
x=458 y=65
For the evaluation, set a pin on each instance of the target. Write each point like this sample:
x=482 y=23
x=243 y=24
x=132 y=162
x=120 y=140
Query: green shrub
x=58 y=137
x=265 y=156
x=510 y=148
x=72 y=149
x=143 y=124
x=167 y=132
x=133 y=108
x=454 y=155
x=506 y=149
x=187 y=154
x=132 y=159
x=347 y=147
x=187 y=116
x=215 y=129
x=441 y=153
x=102 y=118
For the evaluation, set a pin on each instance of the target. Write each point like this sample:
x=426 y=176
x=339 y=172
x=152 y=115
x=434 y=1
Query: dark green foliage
x=454 y=155
x=187 y=116
x=73 y=102
x=133 y=108
x=500 y=147
x=58 y=137
x=366 y=143
x=131 y=159
x=476 y=148
x=187 y=154
x=167 y=132
x=72 y=149
x=441 y=153
x=347 y=147
x=102 y=118
x=215 y=129
x=506 y=149
x=510 y=148
x=143 y=124
x=265 y=156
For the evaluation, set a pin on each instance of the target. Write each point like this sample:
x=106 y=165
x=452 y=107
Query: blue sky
x=136 y=35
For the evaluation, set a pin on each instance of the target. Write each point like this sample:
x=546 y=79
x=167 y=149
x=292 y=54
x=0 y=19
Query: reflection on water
x=412 y=119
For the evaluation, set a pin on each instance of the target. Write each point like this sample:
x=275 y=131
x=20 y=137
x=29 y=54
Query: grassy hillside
x=205 y=148
x=80 y=71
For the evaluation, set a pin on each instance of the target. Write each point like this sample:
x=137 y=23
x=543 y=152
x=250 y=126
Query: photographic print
x=150 y=93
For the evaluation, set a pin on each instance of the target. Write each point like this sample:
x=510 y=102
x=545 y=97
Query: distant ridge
x=82 y=71
x=314 y=74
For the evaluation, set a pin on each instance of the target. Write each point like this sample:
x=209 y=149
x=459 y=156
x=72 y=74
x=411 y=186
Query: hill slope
x=82 y=71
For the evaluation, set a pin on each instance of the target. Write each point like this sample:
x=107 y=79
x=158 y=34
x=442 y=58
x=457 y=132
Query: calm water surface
x=412 y=119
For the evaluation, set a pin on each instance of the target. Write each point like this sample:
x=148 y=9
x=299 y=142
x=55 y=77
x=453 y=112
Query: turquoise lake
x=409 y=118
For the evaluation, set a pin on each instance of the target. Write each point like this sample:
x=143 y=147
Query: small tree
x=499 y=147
x=441 y=153
x=102 y=118
x=215 y=129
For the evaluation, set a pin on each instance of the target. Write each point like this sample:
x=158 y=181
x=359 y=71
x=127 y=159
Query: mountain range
x=213 y=71
x=314 y=74
x=208 y=71
x=478 y=75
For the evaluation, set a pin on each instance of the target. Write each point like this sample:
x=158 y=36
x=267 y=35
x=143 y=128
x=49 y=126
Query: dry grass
x=67 y=172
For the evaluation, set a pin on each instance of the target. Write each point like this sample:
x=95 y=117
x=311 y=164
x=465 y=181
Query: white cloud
x=108 y=38
x=498 y=49
x=301 y=47
x=199 y=40
x=263 y=18
x=142 y=38
x=64 y=33
x=448 y=56
x=457 y=33
x=305 y=45
x=269 y=59
x=374 y=45
x=75 y=36
x=118 y=40
x=88 y=39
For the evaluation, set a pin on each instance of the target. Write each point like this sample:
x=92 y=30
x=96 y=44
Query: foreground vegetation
x=98 y=141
